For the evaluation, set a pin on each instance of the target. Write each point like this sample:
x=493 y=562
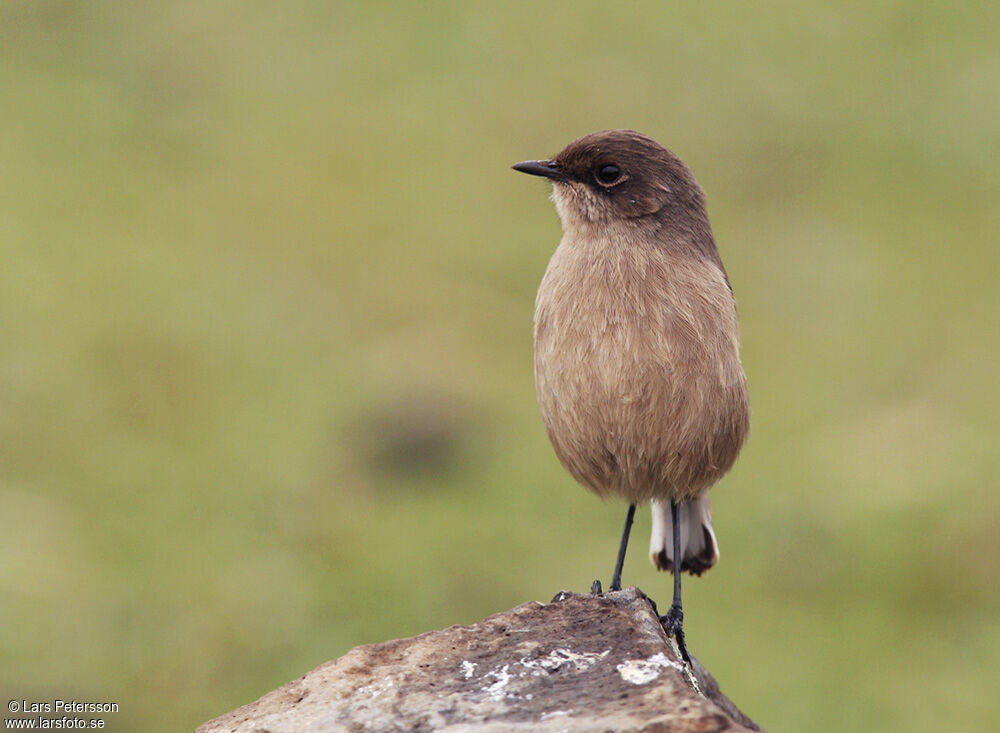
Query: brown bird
x=637 y=363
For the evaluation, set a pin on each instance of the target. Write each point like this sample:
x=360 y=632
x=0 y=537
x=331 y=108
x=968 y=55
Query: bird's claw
x=673 y=624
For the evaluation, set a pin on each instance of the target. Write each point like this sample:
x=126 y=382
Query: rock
x=579 y=663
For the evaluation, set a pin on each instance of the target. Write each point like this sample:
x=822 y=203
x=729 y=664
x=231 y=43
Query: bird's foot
x=673 y=624
x=595 y=588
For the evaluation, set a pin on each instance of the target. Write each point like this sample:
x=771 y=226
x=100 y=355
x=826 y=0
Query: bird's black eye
x=608 y=174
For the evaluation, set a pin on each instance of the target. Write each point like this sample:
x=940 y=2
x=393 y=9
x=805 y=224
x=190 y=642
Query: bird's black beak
x=546 y=168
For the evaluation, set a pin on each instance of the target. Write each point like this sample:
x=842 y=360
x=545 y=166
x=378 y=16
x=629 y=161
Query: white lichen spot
x=468 y=668
x=496 y=690
x=496 y=683
x=559 y=658
x=644 y=671
x=554 y=713
x=370 y=692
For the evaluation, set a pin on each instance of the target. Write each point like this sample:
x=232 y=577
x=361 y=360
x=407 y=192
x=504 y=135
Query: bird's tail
x=699 y=550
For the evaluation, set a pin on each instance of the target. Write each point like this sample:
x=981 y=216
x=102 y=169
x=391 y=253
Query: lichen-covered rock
x=580 y=663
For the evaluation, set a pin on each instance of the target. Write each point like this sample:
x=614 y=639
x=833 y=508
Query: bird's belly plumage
x=638 y=376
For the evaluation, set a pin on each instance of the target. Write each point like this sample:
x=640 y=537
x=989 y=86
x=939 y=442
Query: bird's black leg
x=673 y=622
x=616 y=579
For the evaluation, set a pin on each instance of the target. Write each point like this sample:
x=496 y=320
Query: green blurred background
x=266 y=288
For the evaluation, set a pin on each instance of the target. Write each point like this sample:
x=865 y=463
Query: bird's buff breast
x=637 y=370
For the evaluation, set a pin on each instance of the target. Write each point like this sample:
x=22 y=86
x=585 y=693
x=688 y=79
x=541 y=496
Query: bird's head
x=618 y=174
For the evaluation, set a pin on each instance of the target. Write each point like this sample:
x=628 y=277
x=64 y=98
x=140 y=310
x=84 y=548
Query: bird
x=637 y=345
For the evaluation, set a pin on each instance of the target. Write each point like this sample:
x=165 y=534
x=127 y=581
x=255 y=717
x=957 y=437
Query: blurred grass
x=265 y=353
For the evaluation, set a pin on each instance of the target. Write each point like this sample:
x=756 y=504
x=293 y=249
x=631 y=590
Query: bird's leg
x=673 y=622
x=616 y=579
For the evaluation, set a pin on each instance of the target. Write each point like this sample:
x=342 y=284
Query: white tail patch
x=699 y=549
